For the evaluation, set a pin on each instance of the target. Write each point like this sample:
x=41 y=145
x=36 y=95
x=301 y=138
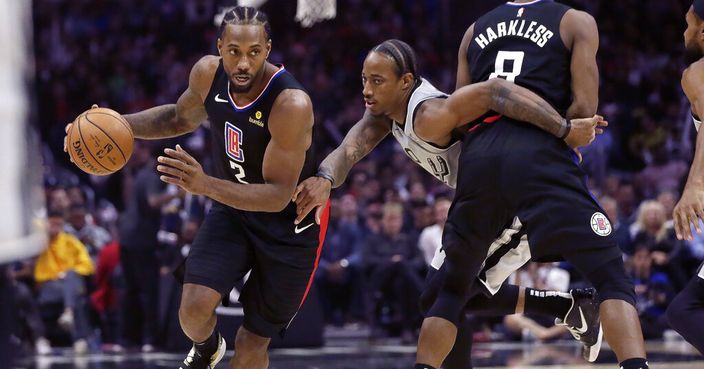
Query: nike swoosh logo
x=584 y=327
x=218 y=99
x=299 y=230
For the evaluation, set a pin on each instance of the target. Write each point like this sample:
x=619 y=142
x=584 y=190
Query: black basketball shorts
x=521 y=196
x=281 y=256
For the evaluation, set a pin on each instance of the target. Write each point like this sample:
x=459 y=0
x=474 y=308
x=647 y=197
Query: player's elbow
x=582 y=109
x=185 y=125
x=279 y=202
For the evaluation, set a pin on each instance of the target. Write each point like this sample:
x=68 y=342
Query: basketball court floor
x=357 y=354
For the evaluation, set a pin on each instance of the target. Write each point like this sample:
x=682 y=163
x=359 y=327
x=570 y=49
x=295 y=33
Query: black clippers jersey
x=240 y=134
x=521 y=43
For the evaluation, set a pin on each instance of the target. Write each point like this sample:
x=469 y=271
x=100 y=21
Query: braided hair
x=245 y=16
x=401 y=53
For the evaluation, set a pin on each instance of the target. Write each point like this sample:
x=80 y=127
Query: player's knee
x=447 y=306
x=249 y=342
x=612 y=283
x=197 y=305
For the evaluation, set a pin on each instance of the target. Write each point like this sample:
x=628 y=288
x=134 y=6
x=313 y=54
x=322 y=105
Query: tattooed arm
x=186 y=115
x=435 y=120
x=359 y=141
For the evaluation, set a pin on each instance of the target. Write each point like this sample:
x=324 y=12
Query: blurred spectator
x=668 y=199
x=394 y=264
x=58 y=200
x=59 y=273
x=653 y=292
x=339 y=274
x=31 y=327
x=93 y=237
x=652 y=232
x=662 y=175
x=620 y=230
x=105 y=297
x=430 y=240
x=138 y=249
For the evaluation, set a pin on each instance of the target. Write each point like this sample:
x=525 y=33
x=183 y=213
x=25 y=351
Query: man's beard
x=692 y=53
x=241 y=89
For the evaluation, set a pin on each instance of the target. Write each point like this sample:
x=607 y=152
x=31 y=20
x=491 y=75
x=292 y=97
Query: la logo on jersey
x=600 y=224
x=233 y=142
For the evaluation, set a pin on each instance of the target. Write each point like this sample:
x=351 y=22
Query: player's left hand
x=181 y=169
x=584 y=131
x=688 y=211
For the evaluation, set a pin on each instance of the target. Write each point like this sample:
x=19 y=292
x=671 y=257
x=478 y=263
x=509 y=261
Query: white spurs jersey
x=440 y=162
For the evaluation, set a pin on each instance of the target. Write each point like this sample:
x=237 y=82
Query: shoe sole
x=222 y=347
x=592 y=352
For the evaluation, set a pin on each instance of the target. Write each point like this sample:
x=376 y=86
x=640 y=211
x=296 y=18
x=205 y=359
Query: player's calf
x=197 y=311
x=250 y=351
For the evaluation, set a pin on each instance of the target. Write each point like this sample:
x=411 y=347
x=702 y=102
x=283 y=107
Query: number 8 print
x=501 y=58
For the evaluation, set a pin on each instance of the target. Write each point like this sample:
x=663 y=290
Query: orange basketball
x=100 y=141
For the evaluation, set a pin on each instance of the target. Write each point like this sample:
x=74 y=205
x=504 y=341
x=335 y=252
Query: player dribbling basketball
x=261 y=123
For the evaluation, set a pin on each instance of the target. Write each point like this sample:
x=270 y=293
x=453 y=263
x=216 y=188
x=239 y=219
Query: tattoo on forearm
x=157 y=122
x=529 y=108
x=355 y=147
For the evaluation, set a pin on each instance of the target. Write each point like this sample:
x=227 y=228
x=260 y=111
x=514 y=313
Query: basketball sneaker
x=582 y=320
x=197 y=360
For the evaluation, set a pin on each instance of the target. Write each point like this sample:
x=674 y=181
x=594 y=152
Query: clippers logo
x=600 y=224
x=233 y=142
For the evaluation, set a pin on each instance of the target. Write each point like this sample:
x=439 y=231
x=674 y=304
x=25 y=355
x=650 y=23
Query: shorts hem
x=207 y=282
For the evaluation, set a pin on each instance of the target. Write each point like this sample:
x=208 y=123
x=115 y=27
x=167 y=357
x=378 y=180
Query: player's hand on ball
x=181 y=169
x=311 y=193
x=584 y=130
x=67 y=129
x=688 y=211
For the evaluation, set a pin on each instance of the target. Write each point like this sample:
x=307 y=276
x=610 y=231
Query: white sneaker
x=113 y=349
x=195 y=360
x=80 y=347
x=42 y=347
x=66 y=320
x=147 y=348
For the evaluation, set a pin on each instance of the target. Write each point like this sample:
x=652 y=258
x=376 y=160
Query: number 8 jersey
x=441 y=162
x=521 y=43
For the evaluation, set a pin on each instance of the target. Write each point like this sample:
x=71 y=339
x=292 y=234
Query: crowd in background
x=114 y=238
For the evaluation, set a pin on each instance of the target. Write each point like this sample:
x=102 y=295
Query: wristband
x=327 y=176
x=565 y=129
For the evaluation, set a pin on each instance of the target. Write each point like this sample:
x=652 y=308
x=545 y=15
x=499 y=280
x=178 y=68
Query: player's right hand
x=584 y=131
x=314 y=192
x=68 y=128
x=688 y=211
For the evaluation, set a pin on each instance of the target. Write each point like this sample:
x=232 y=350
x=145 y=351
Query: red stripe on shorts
x=321 y=240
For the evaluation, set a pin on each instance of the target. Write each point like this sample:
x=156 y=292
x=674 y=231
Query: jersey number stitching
x=504 y=56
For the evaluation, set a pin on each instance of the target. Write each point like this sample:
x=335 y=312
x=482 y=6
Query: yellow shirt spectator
x=65 y=253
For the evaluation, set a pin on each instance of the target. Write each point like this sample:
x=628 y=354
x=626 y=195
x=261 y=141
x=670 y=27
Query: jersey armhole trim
x=413 y=125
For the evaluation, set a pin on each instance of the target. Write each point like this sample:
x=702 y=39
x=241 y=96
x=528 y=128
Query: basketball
x=100 y=141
